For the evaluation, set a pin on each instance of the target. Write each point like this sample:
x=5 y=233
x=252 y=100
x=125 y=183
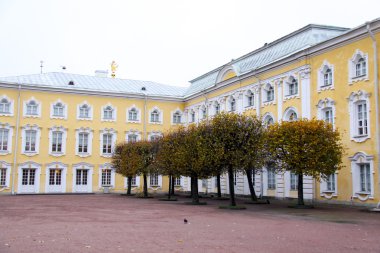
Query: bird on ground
x=184 y=221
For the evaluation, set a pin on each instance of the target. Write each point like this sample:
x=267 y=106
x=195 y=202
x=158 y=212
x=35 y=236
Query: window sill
x=156 y=123
x=328 y=191
x=108 y=120
x=363 y=193
x=84 y=118
x=83 y=154
x=287 y=97
x=31 y=116
x=56 y=154
x=4 y=152
x=6 y=114
x=360 y=138
x=28 y=153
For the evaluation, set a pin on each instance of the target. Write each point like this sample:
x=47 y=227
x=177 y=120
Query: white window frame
x=56 y=165
x=107 y=166
x=90 y=172
x=328 y=193
x=38 y=112
x=176 y=113
x=160 y=116
x=271 y=172
x=52 y=105
x=90 y=113
x=30 y=165
x=137 y=182
x=192 y=116
x=23 y=137
x=356 y=160
x=249 y=94
x=132 y=132
x=7 y=167
x=321 y=76
x=114 y=113
x=159 y=181
x=138 y=120
x=289 y=112
x=293 y=181
x=7 y=127
x=356 y=98
x=203 y=112
x=266 y=88
x=154 y=134
x=215 y=107
x=232 y=104
x=352 y=67
x=267 y=117
x=64 y=139
x=113 y=134
x=288 y=87
x=11 y=106
x=324 y=105
x=90 y=137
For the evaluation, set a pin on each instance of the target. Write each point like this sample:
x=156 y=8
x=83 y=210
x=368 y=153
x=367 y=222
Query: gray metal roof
x=290 y=44
x=94 y=83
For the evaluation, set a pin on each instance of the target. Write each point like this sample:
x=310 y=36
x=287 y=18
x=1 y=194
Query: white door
x=82 y=180
x=28 y=183
x=55 y=180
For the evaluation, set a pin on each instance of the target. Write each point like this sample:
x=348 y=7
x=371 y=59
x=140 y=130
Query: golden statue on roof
x=114 y=67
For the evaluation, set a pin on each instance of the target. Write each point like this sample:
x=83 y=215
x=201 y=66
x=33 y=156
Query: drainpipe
x=375 y=73
x=16 y=140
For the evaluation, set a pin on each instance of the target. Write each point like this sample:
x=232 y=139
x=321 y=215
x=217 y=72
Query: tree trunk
x=300 y=190
x=173 y=182
x=145 y=189
x=218 y=185
x=194 y=194
x=191 y=186
x=129 y=189
x=170 y=187
x=250 y=183
x=232 y=187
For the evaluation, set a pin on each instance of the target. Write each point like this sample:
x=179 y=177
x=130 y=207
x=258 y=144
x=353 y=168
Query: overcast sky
x=167 y=41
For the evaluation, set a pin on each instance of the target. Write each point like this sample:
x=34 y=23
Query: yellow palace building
x=58 y=130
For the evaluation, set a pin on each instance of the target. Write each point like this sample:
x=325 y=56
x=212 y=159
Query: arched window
x=155 y=116
x=290 y=114
x=292 y=86
x=84 y=111
x=232 y=105
x=268 y=120
x=250 y=99
x=108 y=112
x=177 y=117
x=132 y=114
x=5 y=106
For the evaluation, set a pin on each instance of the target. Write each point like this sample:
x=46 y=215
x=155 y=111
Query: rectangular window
x=250 y=100
x=56 y=145
x=31 y=109
x=330 y=182
x=328 y=116
x=133 y=181
x=84 y=112
x=293 y=181
x=365 y=177
x=4 y=107
x=270 y=94
x=193 y=117
x=81 y=177
x=108 y=114
x=132 y=115
x=106 y=177
x=55 y=177
x=3 y=176
x=83 y=143
x=58 y=111
x=362 y=126
x=154 y=179
x=132 y=137
x=176 y=118
x=107 y=143
x=28 y=176
x=4 y=139
x=30 y=140
x=154 y=117
x=271 y=179
x=177 y=181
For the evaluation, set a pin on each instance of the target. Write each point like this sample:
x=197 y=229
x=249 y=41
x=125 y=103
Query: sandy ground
x=114 y=223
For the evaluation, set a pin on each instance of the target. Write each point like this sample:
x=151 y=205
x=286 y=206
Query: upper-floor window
x=359 y=116
x=250 y=99
x=204 y=112
x=108 y=113
x=132 y=114
x=326 y=108
x=360 y=67
x=5 y=106
x=83 y=141
x=362 y=120
x=4 y=136
x=217 y=108
x=30 y=140
x=328 y=115
x=177 y=117
x=58 y=110
x=107 y=143
x=327 y=77
x=232 y=105
x=270 y=94
x=57 y=140
x=155 y=116
x=192 y=116
x=132 y=137
x=84 y=111
x=32 y=108
x=57 y=143
x=292 y=85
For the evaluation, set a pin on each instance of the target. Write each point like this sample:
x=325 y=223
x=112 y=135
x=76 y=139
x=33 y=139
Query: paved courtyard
x=114 y=223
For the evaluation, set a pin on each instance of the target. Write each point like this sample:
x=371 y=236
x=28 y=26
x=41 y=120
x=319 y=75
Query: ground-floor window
x=293 y=181
x=55 y=177
x=81 y=177
x=154 y=179
x=177 y=181
x=106 y=177
x=330 y=182
x=28 y=176
x=271 y=179
x=3 y=176
x=133 y=181
x=365 y=177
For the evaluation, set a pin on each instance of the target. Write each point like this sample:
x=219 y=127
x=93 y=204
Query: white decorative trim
x=56 y=165
x=91 y=111
x=107 y=166
x=352 y=67
x=160 y=116
x=114 y=137
x=10 y=138
x=223 y=72
x=264 y=90
x=39 y=105
x=11 y=106
x=36 y=186
x=89 y=147
x=354 y=99
x=23 y=137
x=114 y=113
x=138 y=114
x=356 y=160
x=321 y=72
x=177 y=110
x=65 y=107
x=287 y=82
x=8 y=167
x=288 y=111
x=84 y=166
x=246 y=93
x=133 y=131
x=154 y=133
x=64 y=138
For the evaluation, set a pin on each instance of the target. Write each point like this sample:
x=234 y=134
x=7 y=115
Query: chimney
x=101 y=73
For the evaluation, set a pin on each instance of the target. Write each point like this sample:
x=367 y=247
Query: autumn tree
x=305 y=147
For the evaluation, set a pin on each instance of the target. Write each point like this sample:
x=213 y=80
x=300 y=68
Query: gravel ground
x=115 y=223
